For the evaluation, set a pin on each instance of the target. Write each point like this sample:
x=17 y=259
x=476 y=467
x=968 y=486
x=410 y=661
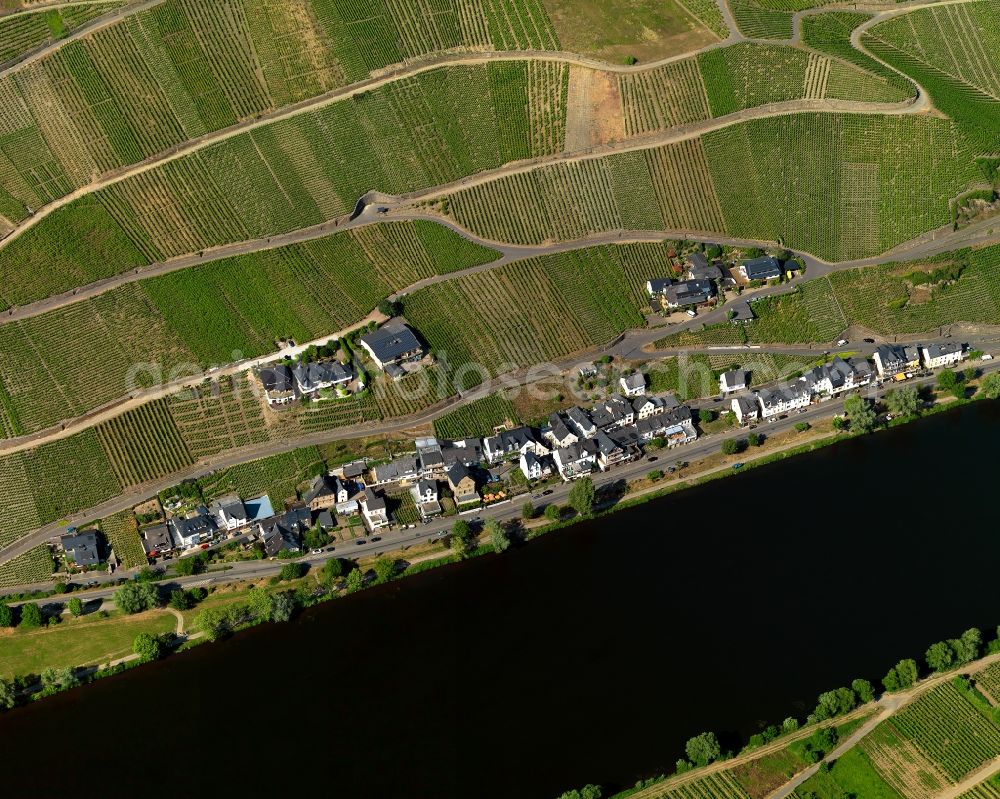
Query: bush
x=802 y=426
x=552 y=513
x=730 y=446
x=31 y=616
x=147 y=647
x=137 y=597
x=75 y=606
x=292 y=571
x=527 y=511
x=654 y=475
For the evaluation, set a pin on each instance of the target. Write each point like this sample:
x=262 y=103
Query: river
x=589 y=655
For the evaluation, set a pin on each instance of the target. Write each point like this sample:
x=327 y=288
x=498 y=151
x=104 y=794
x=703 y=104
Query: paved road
x=705 y=445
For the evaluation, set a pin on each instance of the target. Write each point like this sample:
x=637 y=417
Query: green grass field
x=852 y=774
x=85 y=641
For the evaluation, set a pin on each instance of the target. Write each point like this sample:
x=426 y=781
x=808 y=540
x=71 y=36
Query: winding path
x=418 y=66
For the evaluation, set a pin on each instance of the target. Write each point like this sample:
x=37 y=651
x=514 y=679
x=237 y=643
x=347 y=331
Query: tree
x=582 y=496
x=802 y=426
x=461 y=537
x=284 y=607
x=332 y=569
x=499 y=539
x=834 y=703
x=586 y=792
x=705 y=415
x=390 y=307
x=755 y=439
x=212 y=622
x=968 y=647
x=8 y=695
x=730 y=446
x=946 y=379
x=147 y=647
x=291 y=571
x=384 y=569
x=791 y=724
x=940 y=656
x=75 y=606
x=703 y=749
x=654 y=474
x=6 y=615
x=527 y=511
x=31 y=616
x=179 y=600
x=864 y=690
x=552 y=512
x=860 y=413
x=959 y=391
x=901 y=676
x=260 y=604
x=136 y=597
x=355 y=580
x=60 y=678
x=903 y=401
x=991 y=386
x=185 y=567
x=839 y=423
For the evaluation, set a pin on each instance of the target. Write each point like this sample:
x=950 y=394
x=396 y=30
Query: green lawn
x=851 y=775
x=77 y=642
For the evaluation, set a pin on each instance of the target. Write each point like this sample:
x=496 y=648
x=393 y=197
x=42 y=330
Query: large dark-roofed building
x=392 y=343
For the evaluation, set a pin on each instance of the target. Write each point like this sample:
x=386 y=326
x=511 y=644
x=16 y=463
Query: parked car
x=546 y=492
x=376 y=538
x=360 y=541
x=869 y=341
x=691 y=313
x=987 y=357
x=317 y=551
x=652 y=458
x=737 y=465
x=843 y=342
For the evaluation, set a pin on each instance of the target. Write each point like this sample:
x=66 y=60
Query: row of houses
x=891 y=362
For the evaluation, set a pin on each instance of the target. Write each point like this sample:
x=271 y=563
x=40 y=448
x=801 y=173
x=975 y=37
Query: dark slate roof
x=690 y=292
x=83 y=547
x=311 y=375
x=277 y=378
x=391 y=341
x=195 y=525
x=325 y=520
x=373 y=501
x=324 y=485
x=742 y=312
x=457 y=472
x=948 y=348
x=697 y=260
x=156 y=538
x=763 y=268
x=658 y=285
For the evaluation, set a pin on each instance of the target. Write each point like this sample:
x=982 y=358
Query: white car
x=843 y=342
x=690 y=313
x=987 y=357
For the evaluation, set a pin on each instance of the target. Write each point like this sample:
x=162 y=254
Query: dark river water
x=589 y=655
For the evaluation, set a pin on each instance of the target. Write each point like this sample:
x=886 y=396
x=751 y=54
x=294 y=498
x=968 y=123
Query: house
x=354 y=471
x=745 y=409
x=615 y=411
x=938 y=355
x=430 y=457
x=689 y=292
x=82 y=548
x=580 y=423
x=373 y=510
x=576 y=460
x=657 y=285
x=230 y=512
x=189 y=532
x=677 y=425
x=644 y=407
x=512 y=442
x=280 y=535
x=741 y=312
x=393 y=343
x=278 y=383
x=535 y=467
x=700 y=269
x=558 y=433
x=893 y=361
x=587 y=370
x=609 y=452
x=782 y=400
x=763 y=268
x=401 y=469
x=325 y=492
x=633 y=385
x=733 y=380
x=322 y=375
x=425 y=496
x=467 y=451
x=156 y=540
x=462 y=484
x=325 y=521
x=837 y=376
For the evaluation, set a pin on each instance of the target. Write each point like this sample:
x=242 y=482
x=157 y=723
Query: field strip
x=416 y=67
x=112 y=18
x=976 y=777
x=40 y=7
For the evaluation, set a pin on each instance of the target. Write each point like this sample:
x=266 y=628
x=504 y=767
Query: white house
x=576 y=460
x=634 y=384
x=509 y=443
x=392 y=344
x=321 y=375
x=425 y=496
x=837 y=376
x=373 y=510
x=658 y=285
x=535 y=467
x=188 y=532
x=580 y=423
x=782 y=400
x=558 y=433
x=644 y=407
x=733 y=380
x=893 y=360
x=937 y=355
x=278 y=383
x=745 y=409
x=230 y=513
